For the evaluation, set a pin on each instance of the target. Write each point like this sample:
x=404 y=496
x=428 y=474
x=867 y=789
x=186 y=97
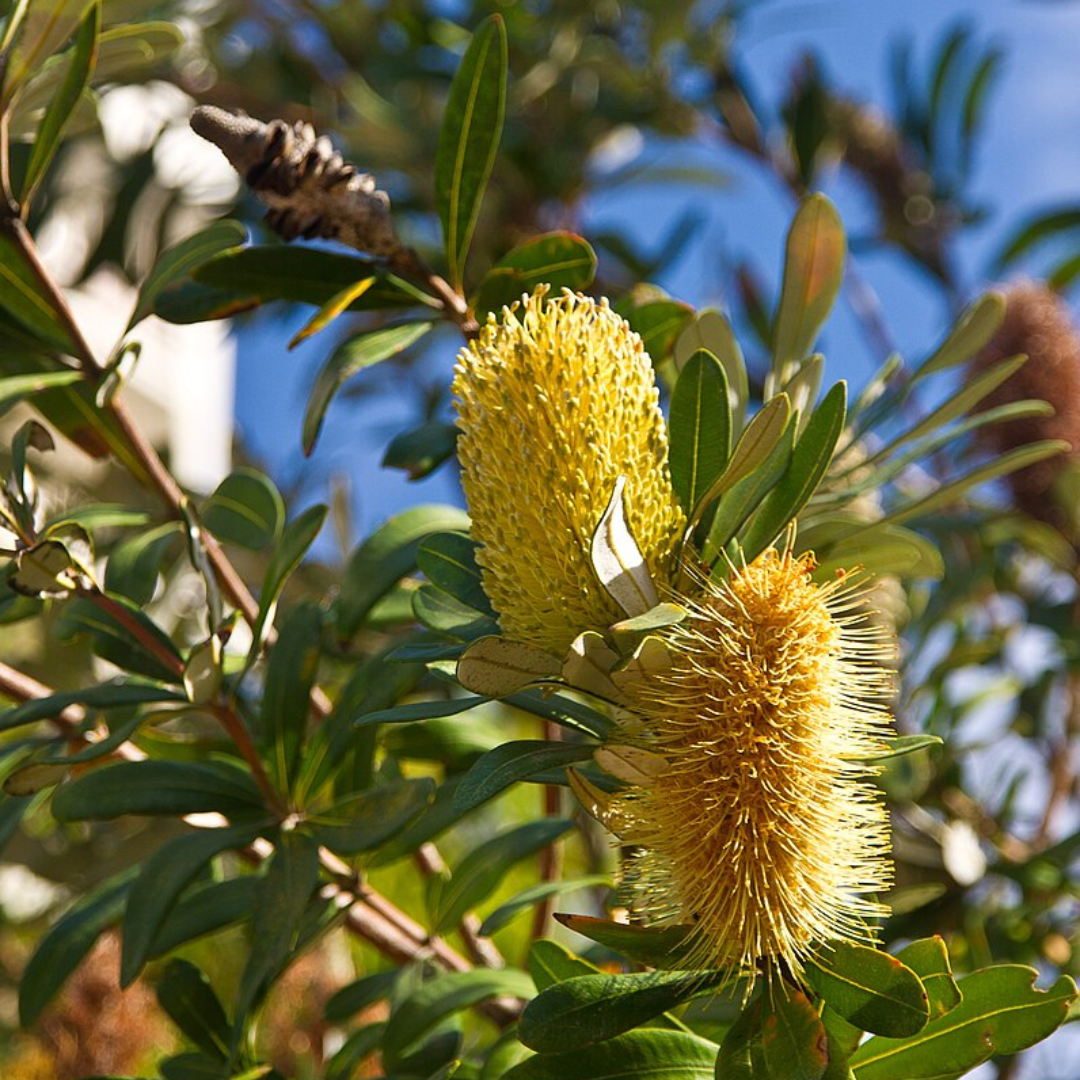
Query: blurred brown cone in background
x=1037 y=323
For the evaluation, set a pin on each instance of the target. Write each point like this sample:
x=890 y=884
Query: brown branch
x=551 y=858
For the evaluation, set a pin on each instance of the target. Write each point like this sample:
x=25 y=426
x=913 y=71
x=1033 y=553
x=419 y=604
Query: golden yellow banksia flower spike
x=758 y=826
x=556 y=399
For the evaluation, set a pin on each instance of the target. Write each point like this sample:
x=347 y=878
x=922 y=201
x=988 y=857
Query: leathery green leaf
x=657 y=946
x=809 y=460
x=445 y=995
x=588 y=1009
x=712 y=332
x=869 y=988
x=39 y=28
x=550 y=963
x=386 y=556
x=185 y=993
x=246 y=509
x=364 y=821
x=504 y=765
x=349 y=358
x=530 y=897
x=1001 y=1013
x=929 y=959
x=479 y=873
x=700 y=428
x=653 y=1052
x=23 y=296
x=448 y=560
x=561 y=260
x=975 y=327
x=813 y=272
x=471 y=130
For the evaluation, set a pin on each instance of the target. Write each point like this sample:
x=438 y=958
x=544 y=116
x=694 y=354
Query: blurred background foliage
x=987 y=825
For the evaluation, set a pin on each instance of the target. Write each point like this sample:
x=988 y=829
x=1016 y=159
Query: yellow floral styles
x=556 y=400
x=757 y=823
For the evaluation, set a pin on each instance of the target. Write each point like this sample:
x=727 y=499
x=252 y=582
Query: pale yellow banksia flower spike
x=556 y=400
x=760 y=828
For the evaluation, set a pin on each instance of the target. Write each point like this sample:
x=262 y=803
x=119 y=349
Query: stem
x=551 y=858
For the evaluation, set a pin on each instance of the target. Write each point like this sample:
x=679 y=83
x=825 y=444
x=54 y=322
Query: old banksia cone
x=757 y=824
x=556 y=400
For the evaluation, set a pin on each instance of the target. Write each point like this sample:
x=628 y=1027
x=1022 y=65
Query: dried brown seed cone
x=310 y=188
x=1037 y=323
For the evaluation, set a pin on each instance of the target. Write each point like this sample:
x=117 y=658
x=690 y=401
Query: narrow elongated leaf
x=58 y=113
x=870 y=988
x=17 y=387
x=975 y=327
x=528 y=898
x=291 y=668
x=562 y=710
x=157 y=788
x=561 y=260
x=448 y=560
x=886 y=549
x=134 y=565
x=290 y=881
x=203 y=909
x=446 y=995
x=479 y=873
x=44 y=26
x=349 y=1000
x=114 y=694
x=712 y=332
x=364 y=821
x=700 y=427
x=175 y=263
x=756 y=445
x=471 y=130
x=349 y=358
x=67 y=942
x=1001 y=1013
x=929 y=959
x=438 y=817
x=333 y=307
x=813 y=272
x=296 y=538
x=809 y=461
x=24 y=297
x=185 y=993
x=442 y=612
x=359 y=1045
x=505 y=765
x=650 y=1052
x=1034 y=231
x=902 y=744
x=161 y=880
x=656 y=946
x=588 y=1009
x=245 y=509
x=421 y=710
x=386 y=556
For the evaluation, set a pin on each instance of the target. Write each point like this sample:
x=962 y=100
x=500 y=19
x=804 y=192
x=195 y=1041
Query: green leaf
x=17 y=387
x=562 y=710
x=335 y=306
x=162 y=878
x=659 y=323
x=650 y=1052
x=505 y=765
x=59 y=110
x=809 y=461
x=24 y=297
x=67 y=942
x=793 y=1039
x=44 y=26
x=133 y=567
x=176 y=263
x=358 y=995
x=756 y=446
x=442 y=612
x=245 y=509
x=386 y=556
x=346 y=360
x=471 y=130
x=193 y=1066
x=712 y=332
x=438 y=817
x=813 y=272
x=185 y=993
x=581 y=1011
x=365 y=821
x=422 y=710
x=203 y=909
x=561 y=260
x=929 y=959
x=1034 y=231
x=975 y=327
x=448 y=560
x=550 y=963
x=361 y=1043
x=656 y=946
x=479 y=873
x=1002 y=1013
x=290 y=881
x=422 y=450
x=115 y=694
x=885 y=549
x=114 y=641
x=528 y=898
x=700 y=427
x=288 y=553
x=870 y=989
x=157 y=788
x=291 y=668
x=445 y=995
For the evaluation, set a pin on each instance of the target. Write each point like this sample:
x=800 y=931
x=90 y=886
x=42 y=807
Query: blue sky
x=1028 y=159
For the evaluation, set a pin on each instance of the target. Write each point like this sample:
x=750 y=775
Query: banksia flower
x=555 y=402
x=757 y=824
x=1037 y=324
x=310 y=189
